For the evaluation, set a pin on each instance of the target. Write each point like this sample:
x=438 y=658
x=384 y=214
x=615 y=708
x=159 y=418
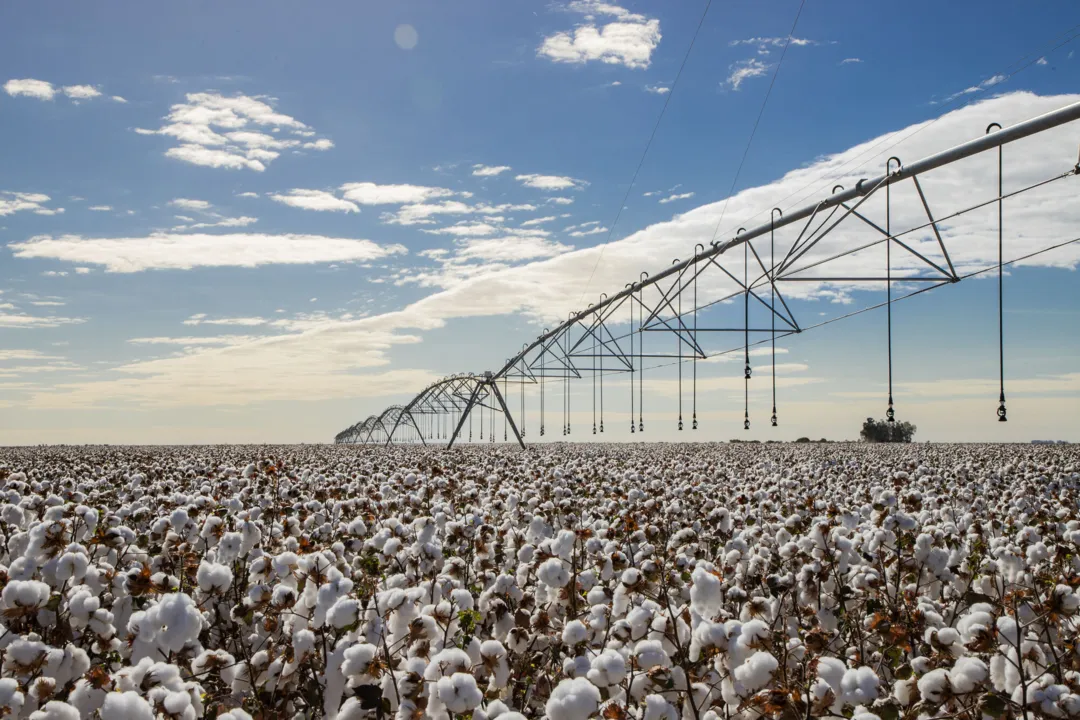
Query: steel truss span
x=673 y=316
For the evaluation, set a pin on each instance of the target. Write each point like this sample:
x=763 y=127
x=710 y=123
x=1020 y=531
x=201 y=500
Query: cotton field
x=570 y=581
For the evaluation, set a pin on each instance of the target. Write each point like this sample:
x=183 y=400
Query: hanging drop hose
x=543 y=372
x=678 y=340
x=772 y=300
x=693 y=425
x=603 y=296
x=506 y=408
x=890 y=413
x=1001 y=286
x=641 y=352
x=566 y=382
x=632 y=428
x=746 y=331
x=594 y=383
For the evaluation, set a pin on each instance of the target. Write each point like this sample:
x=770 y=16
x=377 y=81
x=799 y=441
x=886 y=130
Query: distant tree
x=882 y=431
x=803 y=440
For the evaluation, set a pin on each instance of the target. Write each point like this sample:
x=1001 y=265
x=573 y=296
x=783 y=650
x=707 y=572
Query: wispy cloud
x=743 y=70
x=550 y=182
x=987 y=83
x=315 y=200
x=489 y=170
x=657 y=89
x=673 y=198
x=13 y=202
x=170 y=251
x=850 y=61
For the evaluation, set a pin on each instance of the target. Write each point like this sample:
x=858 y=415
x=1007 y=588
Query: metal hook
x=888 y=165
x=837 y=187
x=991 y=126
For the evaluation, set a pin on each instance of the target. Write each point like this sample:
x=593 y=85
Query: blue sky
x=275 y=223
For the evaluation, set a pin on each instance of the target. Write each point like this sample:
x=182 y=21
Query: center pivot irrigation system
x=843 y=231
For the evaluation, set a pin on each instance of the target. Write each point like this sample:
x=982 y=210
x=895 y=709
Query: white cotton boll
x=213 y=577
x=358 y=658
x=575 y=632
x=71 y=567
x=228 y=550
x=832 y=671
x=178 y=519
x=10 y=697
x=967 y=674
x=861 y=713
x=303 y=642
x=25 y=594
x=553 y=573
x=756 y=672
x=126 y=706
x=706 y=595
x=650 y=654
x=657 y=708
x=859 y=686
x=607 y=669
x=459 y=692
x=56 y=710
x=343 y=613
x=934 y=686
x=574 y=699
x=180 y=620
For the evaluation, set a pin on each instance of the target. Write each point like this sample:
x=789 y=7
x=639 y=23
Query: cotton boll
x=934 y=686
x=10 y=697
x=657 y=708
x=574 y=699
x=706 y=594
x=607 y=669
x=213 y=578
x=575 y=632
x=967 y=674
x=56 y=710
x=126 y=706
x=859 y=686
x=756 y=672
x=459 y=692
x=553 y=573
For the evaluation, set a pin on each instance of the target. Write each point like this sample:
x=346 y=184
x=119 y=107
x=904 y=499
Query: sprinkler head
x=693 y=425
x=746 y=424
x=601 y=427
x=747 y=371
x=1001 y=412
x=680 y=423
x=890 y=414
x=774 y=419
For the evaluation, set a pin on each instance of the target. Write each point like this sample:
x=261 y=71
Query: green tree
x=887 y=432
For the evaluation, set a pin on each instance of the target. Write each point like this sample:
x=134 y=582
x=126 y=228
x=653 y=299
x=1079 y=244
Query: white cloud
x=550 y=182
x=189 y=204
x=628 y=40
x=538 y=221
x=167 y=251
x=559 y=200
x=743 y=70
x=510 y=249
x=201 y=319
x=225 y=132
x=13 y=202
x=849 y=61
x=422 y=214
x=248 y=195
x=30 y=88
x=193 y=341
x=673 y=198
x=229 y=222
x=488 y=170
x=657 y=89
x=599 y=229
x=1041 y=61
x=100 y=208
x=82 y=271
x=765 y=43
x=315 y=200
x=466 y=230
x=22 y=320
x=368 y=193
x=81 y=92
x=117 y=98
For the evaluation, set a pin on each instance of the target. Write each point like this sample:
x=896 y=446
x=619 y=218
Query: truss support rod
x=1019 y=131
x=464 y=415
x=507 y=415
